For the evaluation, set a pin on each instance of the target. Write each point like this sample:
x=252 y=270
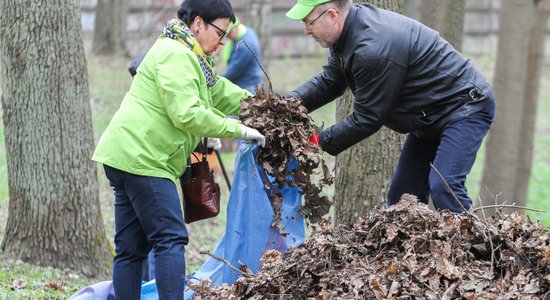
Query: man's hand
x=252 y=135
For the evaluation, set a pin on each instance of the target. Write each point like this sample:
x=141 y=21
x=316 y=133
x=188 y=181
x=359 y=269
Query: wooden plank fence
x=146 y=18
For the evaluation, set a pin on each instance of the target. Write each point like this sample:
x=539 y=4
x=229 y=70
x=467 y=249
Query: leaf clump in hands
x=289 y=156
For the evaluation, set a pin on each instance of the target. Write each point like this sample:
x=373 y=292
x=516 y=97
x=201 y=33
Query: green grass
x=539 y=183
x=19 y=280
x=109 y=80
x=4 y=194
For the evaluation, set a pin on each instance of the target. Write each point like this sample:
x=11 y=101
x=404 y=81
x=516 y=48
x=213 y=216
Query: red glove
x=314 y=138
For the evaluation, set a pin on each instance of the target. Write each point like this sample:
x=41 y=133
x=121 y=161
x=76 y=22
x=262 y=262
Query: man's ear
x=333 y=13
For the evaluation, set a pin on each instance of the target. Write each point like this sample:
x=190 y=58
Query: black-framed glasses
x=309 y=25
x=222 y=34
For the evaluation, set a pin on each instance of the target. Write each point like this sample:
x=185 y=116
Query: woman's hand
x=252 y=135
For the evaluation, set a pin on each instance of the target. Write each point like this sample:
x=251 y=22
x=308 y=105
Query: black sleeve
x=323 y=88
x=377 y=85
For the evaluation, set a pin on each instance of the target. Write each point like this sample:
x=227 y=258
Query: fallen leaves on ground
x=406 y=251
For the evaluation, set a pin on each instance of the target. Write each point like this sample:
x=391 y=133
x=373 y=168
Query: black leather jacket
x=403 y=75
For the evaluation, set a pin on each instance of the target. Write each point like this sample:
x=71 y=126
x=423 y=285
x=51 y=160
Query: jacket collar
x=338 y=47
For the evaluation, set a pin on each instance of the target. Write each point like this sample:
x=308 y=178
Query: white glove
x=214 y=143
x=252 y=135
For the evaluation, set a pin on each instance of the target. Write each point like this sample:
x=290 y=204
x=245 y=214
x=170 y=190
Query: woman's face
x=211 y=34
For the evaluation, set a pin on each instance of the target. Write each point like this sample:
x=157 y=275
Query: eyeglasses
x=309 y=25
x=222 y=34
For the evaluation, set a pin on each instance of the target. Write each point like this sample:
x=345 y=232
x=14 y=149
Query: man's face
x=320 y=24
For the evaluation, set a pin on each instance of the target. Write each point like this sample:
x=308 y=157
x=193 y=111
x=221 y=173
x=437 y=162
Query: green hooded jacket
x=167 y=110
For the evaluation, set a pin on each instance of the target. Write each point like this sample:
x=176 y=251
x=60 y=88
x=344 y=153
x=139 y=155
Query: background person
x=406 y=77
x=175 y=99
x=241 y=67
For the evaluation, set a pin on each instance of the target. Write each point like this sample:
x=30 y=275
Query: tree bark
x=259 y=19
x=500 y=172
x=445 y=16
x=54 y=214
x=364 y=172
x=411 y=9
x=110 y=27
x=535 y=57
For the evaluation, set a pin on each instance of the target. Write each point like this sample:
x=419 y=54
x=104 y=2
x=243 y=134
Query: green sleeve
x=185 y=97
x=227 y=96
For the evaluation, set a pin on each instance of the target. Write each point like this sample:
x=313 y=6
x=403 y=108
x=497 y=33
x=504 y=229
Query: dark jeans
x=148 y=216
x=453 y=155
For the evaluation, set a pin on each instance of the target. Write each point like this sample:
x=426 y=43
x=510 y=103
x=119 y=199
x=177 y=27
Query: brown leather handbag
x=201 y=194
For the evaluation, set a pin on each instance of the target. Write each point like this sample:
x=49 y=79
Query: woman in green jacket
x=175 y=99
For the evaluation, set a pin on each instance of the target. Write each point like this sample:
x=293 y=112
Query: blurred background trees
x=447 y=17
x=508 y=161
x=110 y=27
x=259 y=18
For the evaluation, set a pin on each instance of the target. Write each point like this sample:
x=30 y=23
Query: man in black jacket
x=406 y=77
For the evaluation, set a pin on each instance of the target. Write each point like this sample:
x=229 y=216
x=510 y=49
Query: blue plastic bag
x=248 y=230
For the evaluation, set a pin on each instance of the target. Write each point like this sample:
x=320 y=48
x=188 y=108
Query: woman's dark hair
x=208 y=10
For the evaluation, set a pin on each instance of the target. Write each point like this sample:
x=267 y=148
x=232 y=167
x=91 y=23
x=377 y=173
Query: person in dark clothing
x=406 y=77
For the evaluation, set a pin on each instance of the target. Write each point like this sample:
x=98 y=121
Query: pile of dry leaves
x=407 y=251
x=289 y=156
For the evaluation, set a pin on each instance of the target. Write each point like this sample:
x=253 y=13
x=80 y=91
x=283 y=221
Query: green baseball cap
x=303 y=8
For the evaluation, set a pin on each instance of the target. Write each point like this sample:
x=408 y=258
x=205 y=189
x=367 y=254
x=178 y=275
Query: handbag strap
x=204 y=149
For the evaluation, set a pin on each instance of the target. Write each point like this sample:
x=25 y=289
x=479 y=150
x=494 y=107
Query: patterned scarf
x=177 y=30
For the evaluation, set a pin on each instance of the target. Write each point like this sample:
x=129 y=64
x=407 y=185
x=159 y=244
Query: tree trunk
x=393 y=5
x=445 y=16
x=54 y=214
x=411 y=9
x=500 y=173
x=364 y=172
x=110 y=27
x=259 y=19
x=535 y=57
